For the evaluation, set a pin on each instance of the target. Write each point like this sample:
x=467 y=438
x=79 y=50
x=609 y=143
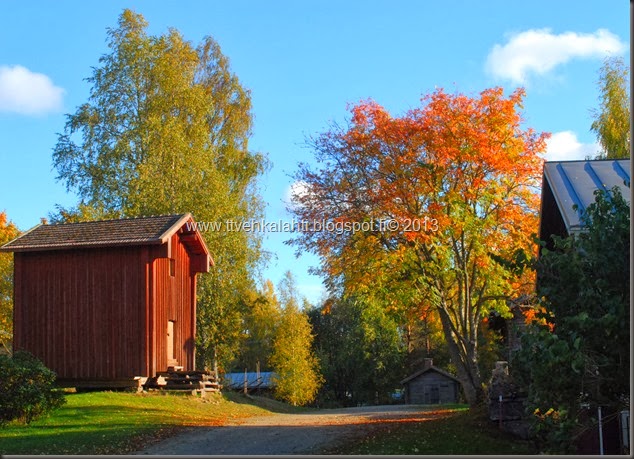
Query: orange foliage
x=530 y=316
x=8 y=231
x=464 y=164
x=461 y=162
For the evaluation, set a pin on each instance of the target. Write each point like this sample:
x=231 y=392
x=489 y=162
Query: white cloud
x=296 y=189
x=538 y=51
x=564 y=146
x=28 y=93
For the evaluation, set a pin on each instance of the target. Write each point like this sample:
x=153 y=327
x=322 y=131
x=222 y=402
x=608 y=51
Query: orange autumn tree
x=440 y=193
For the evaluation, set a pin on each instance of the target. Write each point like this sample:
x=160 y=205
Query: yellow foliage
x=8 y=232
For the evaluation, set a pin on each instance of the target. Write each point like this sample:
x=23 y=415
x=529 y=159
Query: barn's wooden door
x=170 y=343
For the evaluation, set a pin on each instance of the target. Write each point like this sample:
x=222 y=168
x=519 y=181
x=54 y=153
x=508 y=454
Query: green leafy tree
x=165 y=130
x=298 y=378
x=384 y=352
x=395 y=294
x=8 y=231
x=612 y=120
x=220 y=324
x=81 y=213
x=260 y=323
x=339 y=347
x=360 y=350
x=576 y=355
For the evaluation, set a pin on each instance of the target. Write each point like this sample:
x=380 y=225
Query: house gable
x=568 y=189
x=430 y=370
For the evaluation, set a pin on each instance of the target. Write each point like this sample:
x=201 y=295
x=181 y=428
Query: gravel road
x=306 y=433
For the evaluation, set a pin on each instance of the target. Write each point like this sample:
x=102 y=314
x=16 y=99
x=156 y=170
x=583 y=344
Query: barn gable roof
x=108 y=233
x=569 y=183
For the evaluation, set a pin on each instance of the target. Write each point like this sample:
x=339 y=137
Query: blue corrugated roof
x=574 y=182
x=263 y=380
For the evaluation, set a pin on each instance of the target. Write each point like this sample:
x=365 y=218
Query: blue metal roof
x=574 y=182
x=263 y=380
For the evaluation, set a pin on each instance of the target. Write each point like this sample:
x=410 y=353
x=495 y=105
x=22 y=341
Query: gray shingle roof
x=574 y=182
x=105 y=233
x=425 y=370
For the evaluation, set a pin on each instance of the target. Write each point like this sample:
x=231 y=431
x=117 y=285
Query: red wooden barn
x=107 y=301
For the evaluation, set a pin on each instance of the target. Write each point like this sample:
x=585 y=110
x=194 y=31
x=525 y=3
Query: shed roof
x=574 y=183
x=261 y=380
x=429 y=369
x=106 y=233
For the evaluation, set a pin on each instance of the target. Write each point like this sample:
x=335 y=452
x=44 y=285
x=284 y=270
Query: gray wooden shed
x=431 y=386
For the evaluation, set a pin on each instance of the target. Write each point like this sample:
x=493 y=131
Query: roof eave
x=185 y=218
x=92 y=245
x=6 y=248
x=432 y=368
x=178 y=224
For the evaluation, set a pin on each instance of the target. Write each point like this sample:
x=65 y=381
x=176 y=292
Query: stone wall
x=506 y=402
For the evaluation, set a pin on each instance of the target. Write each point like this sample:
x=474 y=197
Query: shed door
x=432 y=394
x=170 y=342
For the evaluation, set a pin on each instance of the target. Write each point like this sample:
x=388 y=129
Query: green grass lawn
x=119 y=422
x=459 y=433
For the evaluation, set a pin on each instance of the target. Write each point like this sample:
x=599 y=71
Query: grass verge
x=270 y=404
x=119 y=422
x=122 y=422
x=458 y=432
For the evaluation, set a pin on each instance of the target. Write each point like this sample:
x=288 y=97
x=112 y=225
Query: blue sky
x=304 y=61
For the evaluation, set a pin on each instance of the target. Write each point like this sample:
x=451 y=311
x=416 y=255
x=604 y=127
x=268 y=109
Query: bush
x=26 y=388
x=575 y=355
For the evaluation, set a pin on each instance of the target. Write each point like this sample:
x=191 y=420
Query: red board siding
x=103 y=313
x=83 y=311
x=174 y=301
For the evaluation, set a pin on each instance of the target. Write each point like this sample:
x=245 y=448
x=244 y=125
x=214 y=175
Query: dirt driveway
x=306 y=433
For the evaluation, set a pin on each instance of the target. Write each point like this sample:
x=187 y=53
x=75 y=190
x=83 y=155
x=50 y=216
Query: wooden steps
x=177 y=380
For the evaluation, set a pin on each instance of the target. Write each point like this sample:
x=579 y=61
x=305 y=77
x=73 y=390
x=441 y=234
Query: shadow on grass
x=264 y=402
x=90 y=429
x=461 y=433
x=77 y=439
x=77 y=417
